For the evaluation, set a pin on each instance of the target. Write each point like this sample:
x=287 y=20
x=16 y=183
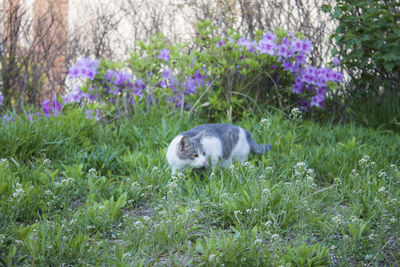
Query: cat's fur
x=211 y=144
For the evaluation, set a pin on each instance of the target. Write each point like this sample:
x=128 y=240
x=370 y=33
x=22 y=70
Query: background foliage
x=367 y=41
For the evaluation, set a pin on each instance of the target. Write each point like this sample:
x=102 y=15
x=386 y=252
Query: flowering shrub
x=150 y=75
x=270 y=69
x=221 y=75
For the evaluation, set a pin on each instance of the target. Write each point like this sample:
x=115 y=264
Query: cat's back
x=213 y=130
x=226 y=138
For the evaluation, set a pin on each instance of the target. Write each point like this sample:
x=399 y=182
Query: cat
x=211 y=144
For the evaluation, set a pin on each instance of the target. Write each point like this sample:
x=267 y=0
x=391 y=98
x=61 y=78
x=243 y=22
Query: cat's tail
x=259 y=149
x=256 y=148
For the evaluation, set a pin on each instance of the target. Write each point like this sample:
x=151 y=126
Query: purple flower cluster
x=1 y=99
x=89 y=115
x=51 y=107
x=75 y=96
x=188 y=87
x=6 y=119
x=84 y=68
x=292 y=53
x=119 y=81
x=164 y=54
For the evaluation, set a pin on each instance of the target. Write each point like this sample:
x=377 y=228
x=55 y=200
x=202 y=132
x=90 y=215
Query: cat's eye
x=196 y=155
x=204 y=153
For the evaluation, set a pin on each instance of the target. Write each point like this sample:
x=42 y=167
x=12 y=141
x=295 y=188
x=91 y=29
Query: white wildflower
x=296 y=114
x=258 y=241
x=337 y=181
x=382 y=189
x=138 y=224
x=364 y=162
x=269 y=170
x=19 y=192
x=382 y=175
x=236 y=212
x=211 y=257
x=338 y=219
x=265 y=123
x=275 y=237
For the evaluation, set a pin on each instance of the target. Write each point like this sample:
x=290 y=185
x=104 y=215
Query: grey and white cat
x=211 y=144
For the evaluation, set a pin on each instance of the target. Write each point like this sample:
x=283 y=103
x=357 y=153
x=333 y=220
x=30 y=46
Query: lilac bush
x=272 y=67
x=290 y=53
x=151 y=78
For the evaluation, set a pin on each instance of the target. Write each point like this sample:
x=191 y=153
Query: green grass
x=76 y=192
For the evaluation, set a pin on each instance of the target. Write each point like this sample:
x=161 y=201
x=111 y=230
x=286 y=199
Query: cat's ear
x=199 y=136
x=184 y=143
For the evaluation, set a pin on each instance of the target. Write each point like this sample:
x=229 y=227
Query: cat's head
x=191 y=151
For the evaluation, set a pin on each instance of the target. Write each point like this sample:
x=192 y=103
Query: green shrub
x=367 y=41
x=222 y=76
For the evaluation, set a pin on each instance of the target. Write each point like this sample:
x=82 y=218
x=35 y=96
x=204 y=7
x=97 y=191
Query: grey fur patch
x=230 y=139
x=256 y=148
x=188 y=147
x=228 y=135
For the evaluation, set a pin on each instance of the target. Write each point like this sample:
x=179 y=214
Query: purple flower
x=199 y=79
x=139 y=84
x=5 y=119
x=92 y=94
x=51 y=107
x=164 y=54
x=339 y=77
x=289 y=66
x=282 y=50
x=297 y=45
x=84 y=68
x=306 y=47
x=301 y=59
x=298 y=86
x=250 y=45
x=269 y=36
x=266 y=46
x=1 y=99
x=336 y=61
x=220 y=43
x=89 y=115
x=304 y=104
x=124 y=79
x=111 y=76
x=317 y=100
x=74 y=96
x=166 y=74
x=138 y=87
x=190 y=86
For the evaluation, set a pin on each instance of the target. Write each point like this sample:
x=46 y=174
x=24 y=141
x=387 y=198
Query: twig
x=323 y=189
x=369 y=264
x=201 y=96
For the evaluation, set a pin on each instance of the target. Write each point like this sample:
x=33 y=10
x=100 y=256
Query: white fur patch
x=213 y=148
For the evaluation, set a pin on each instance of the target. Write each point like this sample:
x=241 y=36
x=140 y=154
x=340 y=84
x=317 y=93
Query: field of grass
x=79 y=192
